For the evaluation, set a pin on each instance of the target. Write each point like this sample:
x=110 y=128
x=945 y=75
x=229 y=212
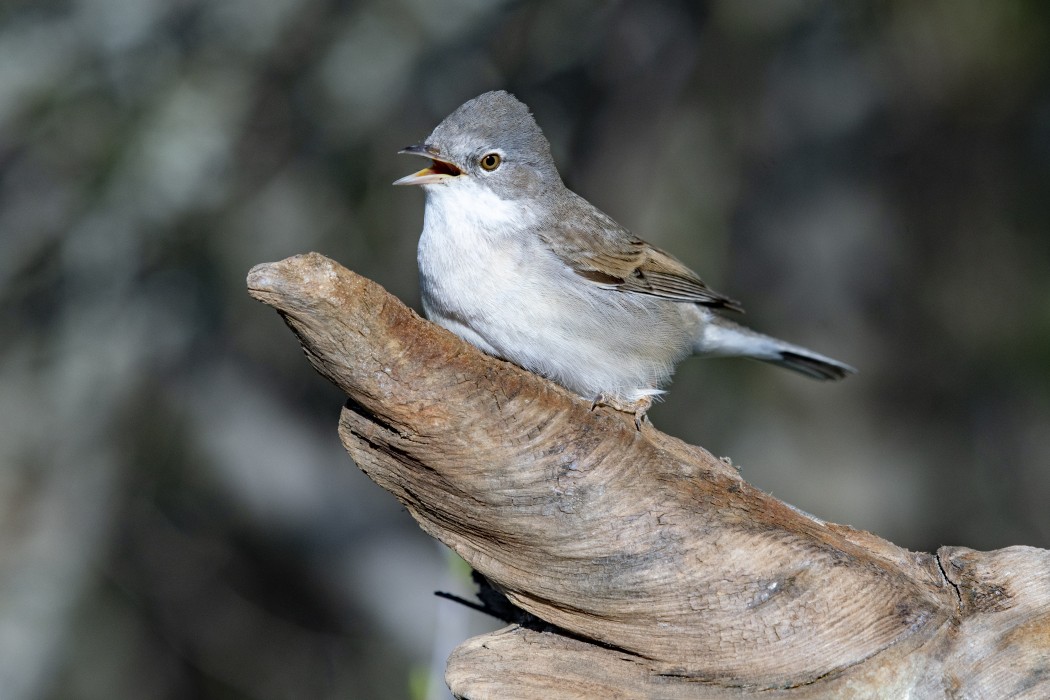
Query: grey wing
x=603 y=252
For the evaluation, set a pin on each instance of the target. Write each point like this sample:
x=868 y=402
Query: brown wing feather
x=662 y=275
x=609 y=255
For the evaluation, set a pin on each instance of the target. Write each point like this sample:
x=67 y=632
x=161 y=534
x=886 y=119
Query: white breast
x=471 y=257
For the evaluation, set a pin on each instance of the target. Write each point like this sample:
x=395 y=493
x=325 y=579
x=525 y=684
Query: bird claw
x=637 y=408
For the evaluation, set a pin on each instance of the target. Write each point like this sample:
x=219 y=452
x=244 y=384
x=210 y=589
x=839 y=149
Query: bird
x=514 y=262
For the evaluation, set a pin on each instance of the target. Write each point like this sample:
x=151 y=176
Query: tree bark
x=661 y=572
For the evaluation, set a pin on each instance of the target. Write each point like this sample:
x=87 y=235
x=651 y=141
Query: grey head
x=492 y=139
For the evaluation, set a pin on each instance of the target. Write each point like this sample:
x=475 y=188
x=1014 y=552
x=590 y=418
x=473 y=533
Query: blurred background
x=177 y=517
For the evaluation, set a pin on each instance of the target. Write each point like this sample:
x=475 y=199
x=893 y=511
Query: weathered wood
x=670 y=576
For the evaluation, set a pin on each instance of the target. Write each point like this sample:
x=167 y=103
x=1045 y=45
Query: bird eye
x=490 y=161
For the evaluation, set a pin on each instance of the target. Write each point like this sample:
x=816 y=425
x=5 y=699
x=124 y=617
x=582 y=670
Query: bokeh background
x=177 y=518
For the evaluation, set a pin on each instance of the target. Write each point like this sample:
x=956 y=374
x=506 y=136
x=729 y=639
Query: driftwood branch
x=662 y=572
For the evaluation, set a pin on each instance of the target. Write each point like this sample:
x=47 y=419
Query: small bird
x=514 y=262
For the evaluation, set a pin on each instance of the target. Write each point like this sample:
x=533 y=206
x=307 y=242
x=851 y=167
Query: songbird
x=516 y=263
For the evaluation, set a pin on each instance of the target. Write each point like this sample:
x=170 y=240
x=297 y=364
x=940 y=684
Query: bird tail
x=721 y=337
x=812 y=364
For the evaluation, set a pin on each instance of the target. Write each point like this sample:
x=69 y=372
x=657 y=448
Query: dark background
x=177 y=518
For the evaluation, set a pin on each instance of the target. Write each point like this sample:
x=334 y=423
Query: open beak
x=438 y=170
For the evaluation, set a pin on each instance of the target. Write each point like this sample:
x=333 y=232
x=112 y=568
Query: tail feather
x=720 y=336
x=812 y=365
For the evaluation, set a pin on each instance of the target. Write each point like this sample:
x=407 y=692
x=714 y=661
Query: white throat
x=477 y=256
x=465 y=207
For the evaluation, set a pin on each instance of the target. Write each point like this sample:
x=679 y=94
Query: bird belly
x=515 y=300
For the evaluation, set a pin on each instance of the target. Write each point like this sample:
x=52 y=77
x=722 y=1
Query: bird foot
x=637 y=408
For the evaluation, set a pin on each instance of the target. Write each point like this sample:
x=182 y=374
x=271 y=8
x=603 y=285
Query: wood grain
x=665 y=574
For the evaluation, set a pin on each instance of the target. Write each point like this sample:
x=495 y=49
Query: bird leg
x=637 y=408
